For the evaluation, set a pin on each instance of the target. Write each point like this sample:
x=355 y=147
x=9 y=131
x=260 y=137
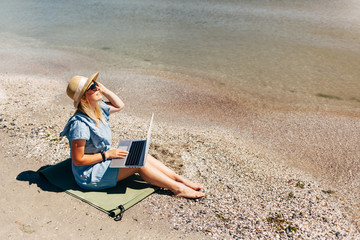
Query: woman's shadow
x=35 y=178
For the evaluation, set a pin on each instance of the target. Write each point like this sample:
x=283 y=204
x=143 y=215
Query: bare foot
x=187 y=192
x=190 y=184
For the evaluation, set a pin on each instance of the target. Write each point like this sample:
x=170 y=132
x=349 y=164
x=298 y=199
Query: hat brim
x=86 y=85
x=90 y=79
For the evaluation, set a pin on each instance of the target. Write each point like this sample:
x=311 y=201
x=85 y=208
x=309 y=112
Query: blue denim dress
x=96 y=176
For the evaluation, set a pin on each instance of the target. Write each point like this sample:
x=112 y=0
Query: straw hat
x=77 y=87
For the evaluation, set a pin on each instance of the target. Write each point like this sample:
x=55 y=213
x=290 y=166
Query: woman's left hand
x=116 y=153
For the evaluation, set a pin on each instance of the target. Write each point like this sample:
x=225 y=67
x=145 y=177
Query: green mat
x=113 y=201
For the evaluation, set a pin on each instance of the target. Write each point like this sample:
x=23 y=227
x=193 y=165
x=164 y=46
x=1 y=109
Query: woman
x=89 y=135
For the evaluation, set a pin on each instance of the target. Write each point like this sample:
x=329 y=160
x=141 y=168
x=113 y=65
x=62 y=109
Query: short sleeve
x=105 y=110
x=78 y=130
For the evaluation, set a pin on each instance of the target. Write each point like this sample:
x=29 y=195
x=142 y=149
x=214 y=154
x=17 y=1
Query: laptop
x=138 y=151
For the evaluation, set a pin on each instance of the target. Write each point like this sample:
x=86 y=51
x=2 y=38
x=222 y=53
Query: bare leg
x=171 y=174
x=126 y=172
x=154 y=176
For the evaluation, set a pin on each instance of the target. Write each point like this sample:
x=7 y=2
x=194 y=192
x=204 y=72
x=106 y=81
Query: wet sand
x=301 y=161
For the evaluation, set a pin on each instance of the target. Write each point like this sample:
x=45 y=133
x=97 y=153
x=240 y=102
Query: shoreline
x=254 y=180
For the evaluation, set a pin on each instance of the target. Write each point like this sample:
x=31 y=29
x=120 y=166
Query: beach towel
x=113 y=201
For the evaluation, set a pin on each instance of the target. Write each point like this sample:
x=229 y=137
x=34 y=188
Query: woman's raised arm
x=116 y=104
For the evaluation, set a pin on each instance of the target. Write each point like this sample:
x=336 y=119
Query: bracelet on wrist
x=103 y=155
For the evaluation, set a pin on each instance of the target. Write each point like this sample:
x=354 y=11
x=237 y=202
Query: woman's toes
x=189 y=193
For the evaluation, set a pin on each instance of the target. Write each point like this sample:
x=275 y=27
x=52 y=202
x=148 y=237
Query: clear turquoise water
x=295 y=46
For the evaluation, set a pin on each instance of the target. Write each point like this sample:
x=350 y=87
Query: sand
x=269 y=170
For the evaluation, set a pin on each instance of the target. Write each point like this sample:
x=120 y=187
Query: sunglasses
x=93 y=87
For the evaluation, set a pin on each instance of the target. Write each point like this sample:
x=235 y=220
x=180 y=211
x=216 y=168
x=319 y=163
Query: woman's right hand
x=102 y=87
x=116 y=153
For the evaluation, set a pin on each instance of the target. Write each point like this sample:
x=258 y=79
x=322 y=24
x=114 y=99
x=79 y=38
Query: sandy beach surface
x=269 y=170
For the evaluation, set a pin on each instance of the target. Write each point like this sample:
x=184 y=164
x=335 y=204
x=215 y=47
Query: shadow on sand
x=35 y=178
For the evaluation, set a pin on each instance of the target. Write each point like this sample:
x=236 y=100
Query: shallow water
x=261 y=47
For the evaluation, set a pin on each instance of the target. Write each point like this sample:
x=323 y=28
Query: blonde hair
x=96 y=115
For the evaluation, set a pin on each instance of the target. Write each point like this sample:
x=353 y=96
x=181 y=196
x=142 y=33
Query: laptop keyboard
x=135 y=153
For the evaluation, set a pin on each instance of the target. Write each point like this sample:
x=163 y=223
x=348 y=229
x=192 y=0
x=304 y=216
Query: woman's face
x=92 y=93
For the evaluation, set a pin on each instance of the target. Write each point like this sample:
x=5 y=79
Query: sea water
x=262 y=46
